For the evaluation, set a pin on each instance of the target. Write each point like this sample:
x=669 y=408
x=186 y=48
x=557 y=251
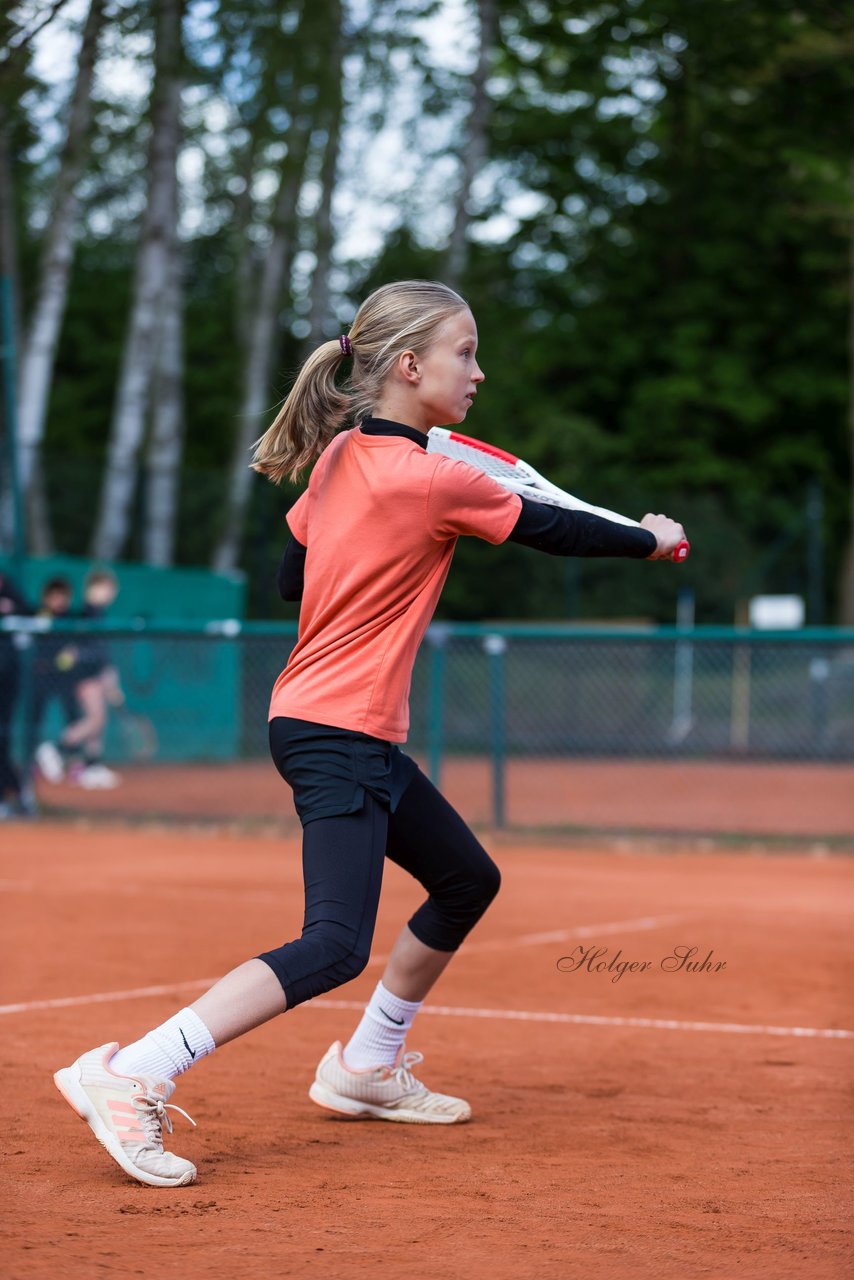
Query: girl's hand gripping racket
x=519 y=477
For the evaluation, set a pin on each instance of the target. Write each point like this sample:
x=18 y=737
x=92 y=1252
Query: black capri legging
x=343 y=859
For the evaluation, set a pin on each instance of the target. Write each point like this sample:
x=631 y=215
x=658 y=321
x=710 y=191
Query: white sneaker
x=383 y=1093
x=126 y=1115
x=97 y=777
x=49 y=762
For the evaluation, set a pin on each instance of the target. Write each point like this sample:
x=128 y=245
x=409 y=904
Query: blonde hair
x=97 y=577
x=404 y=316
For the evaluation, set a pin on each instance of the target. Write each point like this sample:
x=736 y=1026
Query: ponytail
x=404 y=315
x=311 y=414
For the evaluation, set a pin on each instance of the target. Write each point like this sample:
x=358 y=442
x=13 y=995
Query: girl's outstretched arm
x=561 y=532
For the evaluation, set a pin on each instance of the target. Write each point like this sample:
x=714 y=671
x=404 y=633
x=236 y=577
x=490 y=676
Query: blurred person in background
x=15 y=798
x=77 y=753
x=53 y=662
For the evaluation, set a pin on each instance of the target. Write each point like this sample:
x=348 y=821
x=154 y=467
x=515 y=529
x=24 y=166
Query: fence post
x=495 y=647
x=24 y=632
x=683 y=671
x=815 y=553
x=9 y=369
x=437 y=637
x=819 y=675
x=739 y=725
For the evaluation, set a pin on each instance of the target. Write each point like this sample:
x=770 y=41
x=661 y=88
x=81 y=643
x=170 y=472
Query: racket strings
x=486 y=462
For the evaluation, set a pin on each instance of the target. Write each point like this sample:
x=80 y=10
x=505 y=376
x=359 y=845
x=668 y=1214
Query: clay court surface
x=716 y=798
x=667 y=1125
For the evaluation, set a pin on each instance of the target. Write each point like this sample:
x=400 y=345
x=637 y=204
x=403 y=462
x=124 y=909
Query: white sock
x=377 y=1039
x=167 y=1051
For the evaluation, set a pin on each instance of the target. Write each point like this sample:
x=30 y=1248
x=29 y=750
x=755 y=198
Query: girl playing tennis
x=371 y=544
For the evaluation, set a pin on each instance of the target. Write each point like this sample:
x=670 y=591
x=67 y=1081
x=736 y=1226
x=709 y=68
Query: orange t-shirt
x=380 y=519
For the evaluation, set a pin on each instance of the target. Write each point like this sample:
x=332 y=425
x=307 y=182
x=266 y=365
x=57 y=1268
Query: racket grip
x=682 y=552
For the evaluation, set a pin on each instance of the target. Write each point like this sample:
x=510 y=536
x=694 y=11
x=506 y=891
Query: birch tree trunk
x=244 y=249
x=255 y=395
x=324 y=232
x=39 y=352
x=475 y=150
x=165 y=446
x=127 y=427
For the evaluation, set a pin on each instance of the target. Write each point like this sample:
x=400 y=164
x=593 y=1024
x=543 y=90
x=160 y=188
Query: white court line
x=455 y=1011
x=592 y=1020
x=639 y=924
x=201 y=984
x=107 y=997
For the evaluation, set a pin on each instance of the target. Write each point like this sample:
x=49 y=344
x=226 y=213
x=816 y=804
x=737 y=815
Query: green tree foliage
x=685 y=301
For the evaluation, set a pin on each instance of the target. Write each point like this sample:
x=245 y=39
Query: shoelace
x=403 y=1074
x=153 y=1115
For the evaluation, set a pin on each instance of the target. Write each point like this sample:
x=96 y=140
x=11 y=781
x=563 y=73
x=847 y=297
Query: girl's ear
x=409 y=368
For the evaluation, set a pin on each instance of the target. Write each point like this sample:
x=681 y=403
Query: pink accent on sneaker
x=125 y=1120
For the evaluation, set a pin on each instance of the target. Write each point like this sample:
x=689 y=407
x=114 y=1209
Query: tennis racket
x=519 y=477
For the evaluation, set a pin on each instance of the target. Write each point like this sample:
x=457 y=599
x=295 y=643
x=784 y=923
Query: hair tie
x=346 y=345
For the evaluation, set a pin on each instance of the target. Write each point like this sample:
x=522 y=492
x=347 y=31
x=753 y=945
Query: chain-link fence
x=707 y=692
x=197 y=696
